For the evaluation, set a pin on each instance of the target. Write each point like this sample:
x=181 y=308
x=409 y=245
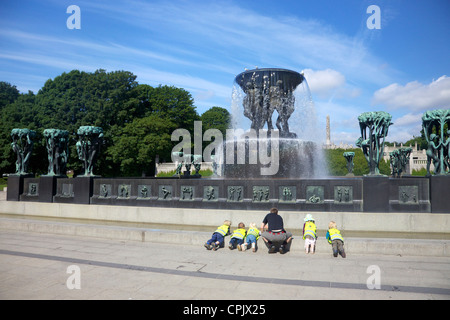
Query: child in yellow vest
x=336 y=240
x=251 y=238
x=309 y=234
x=218 y=237
x=238 y=236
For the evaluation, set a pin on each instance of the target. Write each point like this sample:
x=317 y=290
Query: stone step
x=353 y=245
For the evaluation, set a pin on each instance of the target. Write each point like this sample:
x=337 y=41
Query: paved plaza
x=50 y=266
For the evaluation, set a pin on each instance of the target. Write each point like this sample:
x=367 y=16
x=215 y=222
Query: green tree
x=18 y=114
x=138 y=117
x=162 y=109
x=172 y=103
x=421 y=141
x=136 y=145
x=80 y=98
x=216 y=118
x=8 y=94
x=9 y=115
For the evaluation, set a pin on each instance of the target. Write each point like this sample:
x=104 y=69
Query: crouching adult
x=273 y=233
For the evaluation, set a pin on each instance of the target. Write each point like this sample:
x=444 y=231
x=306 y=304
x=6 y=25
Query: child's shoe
x=253 y=247
x=207 y=246
x=239 y=247
x=230 y=246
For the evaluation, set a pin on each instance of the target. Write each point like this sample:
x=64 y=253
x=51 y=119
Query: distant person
x=273 y=233
x=238 y=236
x=218 y=237
x=252 y=237
x=336 y=240
x=309 y=234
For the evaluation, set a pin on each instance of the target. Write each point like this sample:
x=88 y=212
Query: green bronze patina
x=22 y=145
x=399 y=159
x=56 y=141
x=349 y=155
x=436 y=129
x=374 y=129
x=88 y=147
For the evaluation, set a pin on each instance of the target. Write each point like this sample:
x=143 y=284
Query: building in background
x=417 y=158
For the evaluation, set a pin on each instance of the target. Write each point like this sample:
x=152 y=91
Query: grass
x=203 y=173
x=421 y=172
x=3 y=183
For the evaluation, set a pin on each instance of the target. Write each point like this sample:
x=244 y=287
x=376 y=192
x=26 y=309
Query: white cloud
x=405 y=127
x=342 y=137
x=408 y=120
x=324 y=82
x=399 y=136
x=415 y=96
x=329 y=84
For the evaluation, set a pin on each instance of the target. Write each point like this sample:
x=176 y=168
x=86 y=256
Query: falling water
x=300 y=156
x=305 y=123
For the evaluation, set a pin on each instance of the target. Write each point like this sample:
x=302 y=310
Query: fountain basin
x=269 y=77
x=259 y=158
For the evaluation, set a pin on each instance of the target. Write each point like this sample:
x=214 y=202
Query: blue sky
x=402 y=68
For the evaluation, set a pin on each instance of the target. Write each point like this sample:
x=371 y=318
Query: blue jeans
x=235 y=241
x=250 y=239
x=216 y=237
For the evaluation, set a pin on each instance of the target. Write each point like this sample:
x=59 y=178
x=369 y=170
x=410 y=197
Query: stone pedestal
x=375 y=194
x=47 y=188
x=15 y=186
x=83 y=189
x=439 y=194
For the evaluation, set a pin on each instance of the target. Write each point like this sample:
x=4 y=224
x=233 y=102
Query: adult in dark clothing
x=273 y=233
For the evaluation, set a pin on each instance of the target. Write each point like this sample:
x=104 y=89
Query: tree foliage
x=136 y=145
x=8 y=93
x=17 y=114
x=137 y=119
x=216 y=118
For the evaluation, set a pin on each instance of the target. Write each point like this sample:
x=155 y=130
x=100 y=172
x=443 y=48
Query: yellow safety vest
x=223 y=229
x=253 y=231
x=310 y=230
x=335 y=234
x=238 y=233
